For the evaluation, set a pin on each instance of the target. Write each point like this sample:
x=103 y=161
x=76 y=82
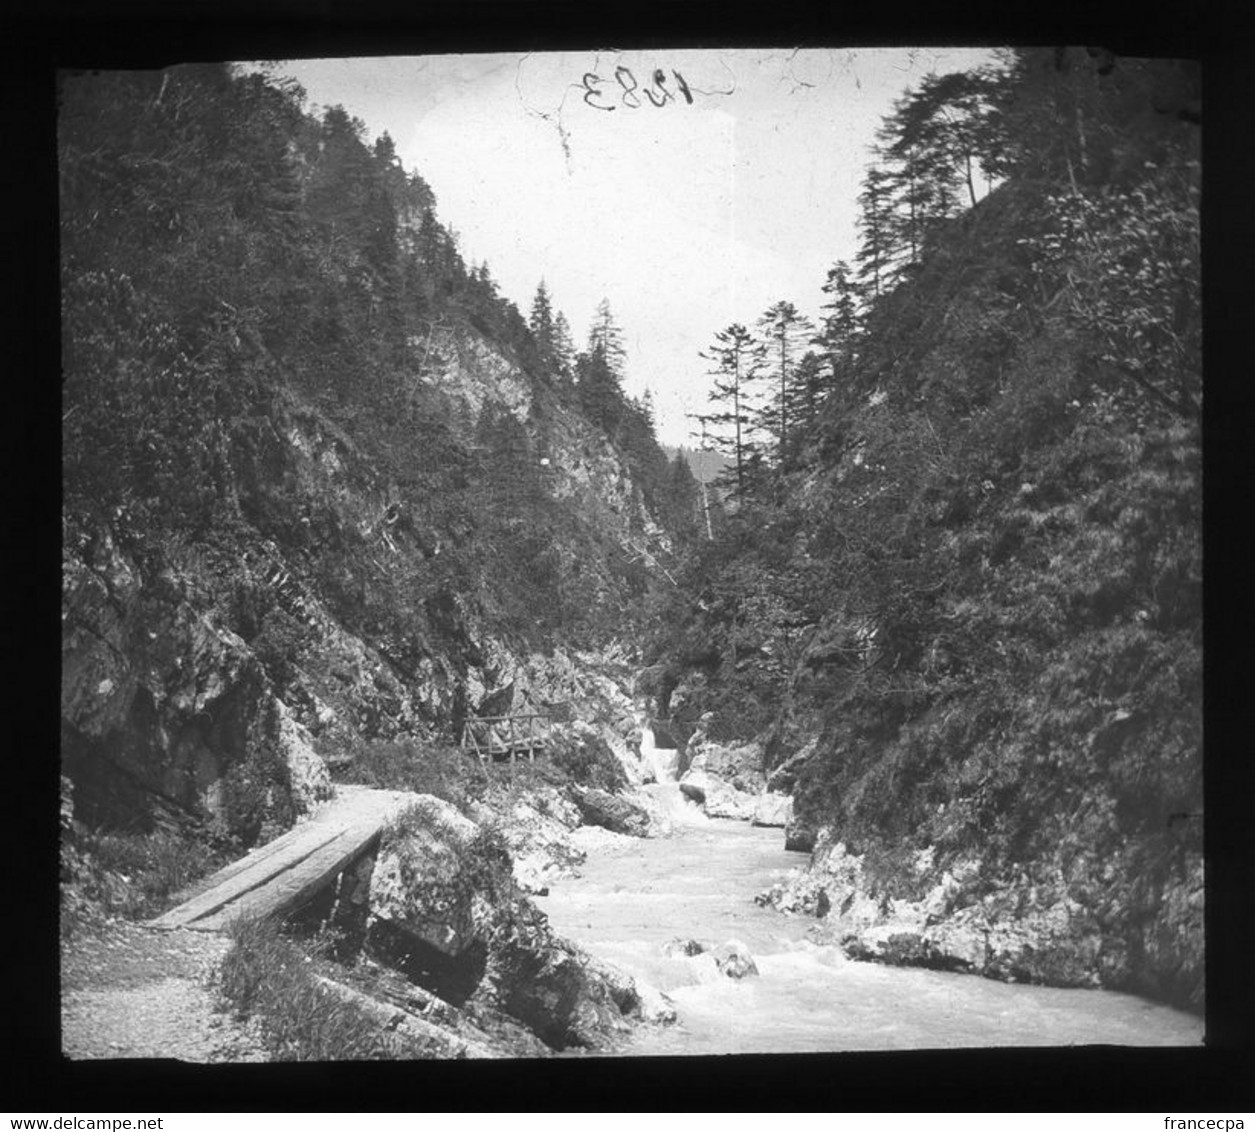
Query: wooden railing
x=506 y=737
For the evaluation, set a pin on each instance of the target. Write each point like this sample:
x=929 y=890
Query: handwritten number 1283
x=656 y=92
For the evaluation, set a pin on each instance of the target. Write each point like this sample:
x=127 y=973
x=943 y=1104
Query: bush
x=132 y=875
x=425 y=768
x=279 y=640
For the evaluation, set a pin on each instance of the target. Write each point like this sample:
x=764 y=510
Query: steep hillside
x=971 y=603
x=323 y=489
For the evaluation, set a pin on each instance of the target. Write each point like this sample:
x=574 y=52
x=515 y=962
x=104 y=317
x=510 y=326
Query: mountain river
x=634 y=896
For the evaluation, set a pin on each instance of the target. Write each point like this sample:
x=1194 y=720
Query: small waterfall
x=664 y=761
x=665 y=790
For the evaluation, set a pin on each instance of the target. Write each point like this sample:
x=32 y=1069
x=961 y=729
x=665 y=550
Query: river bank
x=633 y=897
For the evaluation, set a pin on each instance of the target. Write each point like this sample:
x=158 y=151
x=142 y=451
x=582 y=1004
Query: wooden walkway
x=284 y=873
x=497 y=737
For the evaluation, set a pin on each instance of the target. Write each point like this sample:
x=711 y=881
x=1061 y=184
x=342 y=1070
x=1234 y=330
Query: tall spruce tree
x=541 y=324
x=785 y=332
x=839 y=333
x=563 y=348
x=737 y=357
x=875 y=226
x=600 y=393
x=606 y=336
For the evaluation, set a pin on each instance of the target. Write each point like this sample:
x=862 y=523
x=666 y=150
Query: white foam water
x=635 y=896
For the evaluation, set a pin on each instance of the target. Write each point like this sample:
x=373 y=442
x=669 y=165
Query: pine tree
x=876 y=252
x=682 y=498
x=563 y=348
x=606 y=336
x=806 y=392
x=838 y=336
x=541 y=324
x=785 y=331
x=738 y=360
x=600 y=393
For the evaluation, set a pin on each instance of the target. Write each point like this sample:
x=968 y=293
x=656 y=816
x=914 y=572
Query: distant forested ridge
x=962 y=554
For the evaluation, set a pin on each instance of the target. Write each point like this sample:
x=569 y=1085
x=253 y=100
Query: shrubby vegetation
x=574 y=756
x=130 y=874
x=404 y=764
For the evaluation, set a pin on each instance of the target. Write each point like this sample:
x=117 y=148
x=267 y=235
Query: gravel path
x=128 y=991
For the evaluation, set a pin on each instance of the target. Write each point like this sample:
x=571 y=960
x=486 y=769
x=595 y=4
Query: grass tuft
x=267 y=977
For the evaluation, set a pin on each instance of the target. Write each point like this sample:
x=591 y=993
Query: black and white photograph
x=641 y=553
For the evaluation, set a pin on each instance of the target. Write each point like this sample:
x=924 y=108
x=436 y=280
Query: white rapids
x=634 y=896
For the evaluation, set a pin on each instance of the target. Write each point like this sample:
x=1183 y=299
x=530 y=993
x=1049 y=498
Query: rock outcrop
x=166 y=714
x=739 y=765
x=773 y=810
x=1017 y=932
x=725 y=801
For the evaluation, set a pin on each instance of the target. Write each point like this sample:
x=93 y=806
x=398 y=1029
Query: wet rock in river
x=726 y=801
x=734 y=960
x=599 y=808
x=685 y=947
x=656 y=1007
x=694 y=785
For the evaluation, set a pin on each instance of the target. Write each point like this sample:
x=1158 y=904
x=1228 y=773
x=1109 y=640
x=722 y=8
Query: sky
x=685 y=216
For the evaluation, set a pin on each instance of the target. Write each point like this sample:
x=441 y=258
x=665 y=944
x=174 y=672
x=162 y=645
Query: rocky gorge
x=919 y=685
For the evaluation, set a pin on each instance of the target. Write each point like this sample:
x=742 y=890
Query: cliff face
x=220 y=678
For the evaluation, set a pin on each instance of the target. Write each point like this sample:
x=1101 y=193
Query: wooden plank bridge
x=285 y=873
x=277 y=877
x=498 y=738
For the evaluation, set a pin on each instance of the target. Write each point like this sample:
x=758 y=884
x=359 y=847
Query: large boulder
x=739 y=765
x=445 y=911
x=724 y=801
x=625 y=749
x=599 y=808
x=563 y=995
x=435 y=895
x=773 y=810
